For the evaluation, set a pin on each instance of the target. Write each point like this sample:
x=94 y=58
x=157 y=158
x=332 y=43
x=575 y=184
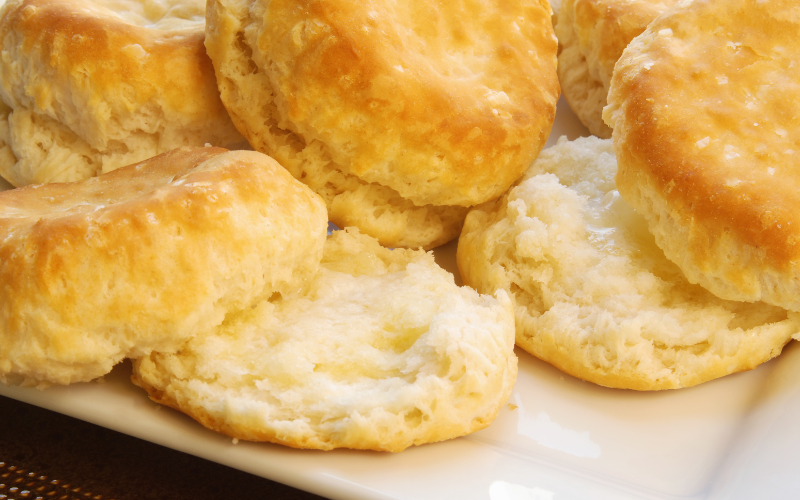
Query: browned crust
x=142 y=257
x=705 y=129
x=548 y=350
x=432 y=137
x=82 y=48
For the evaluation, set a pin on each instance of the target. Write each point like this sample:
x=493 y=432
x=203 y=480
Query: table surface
x=43 y=452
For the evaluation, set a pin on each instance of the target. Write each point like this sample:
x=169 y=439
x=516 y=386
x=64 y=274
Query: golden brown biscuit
x=409 y=110
x=703 y=110
x=90 y=86
x=594 y=295
x=592 y=35
x=382 y=353
x=144 y=257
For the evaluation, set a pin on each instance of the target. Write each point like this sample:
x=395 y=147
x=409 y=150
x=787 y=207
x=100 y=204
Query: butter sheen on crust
x=144 y=257
x=703 y=110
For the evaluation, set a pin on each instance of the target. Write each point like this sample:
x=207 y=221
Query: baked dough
x=592 y=35
x=144 y=257
x=383 y=352
x=703 y=106
x=594 y=295
x=399 y=115
x=90 y=86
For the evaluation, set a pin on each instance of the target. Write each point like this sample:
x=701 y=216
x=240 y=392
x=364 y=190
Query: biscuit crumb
x=594 y=292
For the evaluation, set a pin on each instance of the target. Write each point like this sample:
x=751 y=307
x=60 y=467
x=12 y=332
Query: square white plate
x=558 y=438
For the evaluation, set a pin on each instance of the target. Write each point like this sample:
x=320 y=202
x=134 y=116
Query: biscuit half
x=592 y=35
x=144 y=257
x=708 y=140
x=90 y=86
x=593 y=293
x=400 y=116
x=383 y=352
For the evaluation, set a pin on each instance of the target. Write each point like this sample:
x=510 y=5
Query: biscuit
x=593 y=293
x=90 y=86
x=408 y=112
x=382 y=353
x=592 y=35
x=702 y=105
x=145 y=256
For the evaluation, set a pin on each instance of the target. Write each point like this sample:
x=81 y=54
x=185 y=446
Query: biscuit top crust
x=605 y=27
x=91 y=65
x=445 y=102
x=143 y=257
x=117 y=191
x=704 y=110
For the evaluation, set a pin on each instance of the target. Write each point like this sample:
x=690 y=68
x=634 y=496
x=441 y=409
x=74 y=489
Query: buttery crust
x=90 y=86
x=593 y=293
x=143 y=257
x=409 y=111
x=703 y=110
x=382 y=353
x=592 y=35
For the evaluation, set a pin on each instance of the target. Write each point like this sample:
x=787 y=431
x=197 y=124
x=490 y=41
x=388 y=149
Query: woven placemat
x=46 y=455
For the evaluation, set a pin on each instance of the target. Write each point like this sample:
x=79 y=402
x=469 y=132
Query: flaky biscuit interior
x=593 y=293
x=383 y=352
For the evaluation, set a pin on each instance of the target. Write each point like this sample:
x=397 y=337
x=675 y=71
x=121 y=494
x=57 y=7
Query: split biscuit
x=399 y=115
x=89 y=86
x=382 y=353
x=144 y=257
x=593 y=293
x=592 y=35
x=703 y=107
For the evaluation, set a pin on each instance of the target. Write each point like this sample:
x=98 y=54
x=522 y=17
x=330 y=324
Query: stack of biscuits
x=177 y=165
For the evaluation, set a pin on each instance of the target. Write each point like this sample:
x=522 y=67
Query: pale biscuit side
x=583 y=91
x=377 y=210
x=90 y=90
x=592 y=35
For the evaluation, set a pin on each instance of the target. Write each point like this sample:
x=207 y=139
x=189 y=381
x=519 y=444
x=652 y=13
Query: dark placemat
x=44 y=454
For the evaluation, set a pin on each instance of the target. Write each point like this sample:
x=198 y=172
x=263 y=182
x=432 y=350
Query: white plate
x=559 y=438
